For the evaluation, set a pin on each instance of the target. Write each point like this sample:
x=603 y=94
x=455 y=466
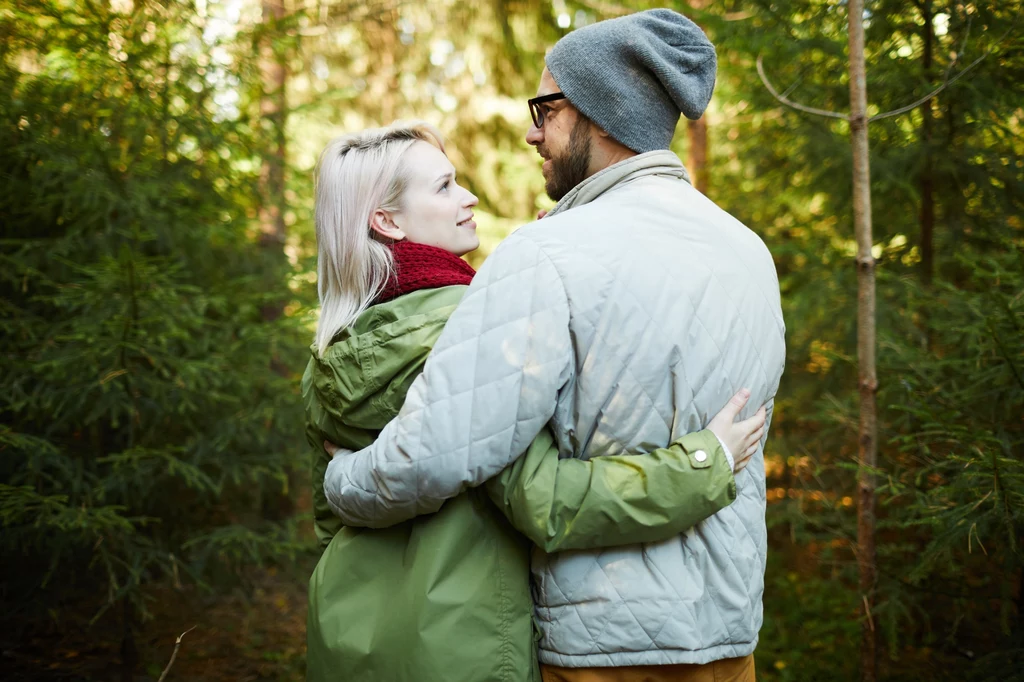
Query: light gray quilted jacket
x=626 y=321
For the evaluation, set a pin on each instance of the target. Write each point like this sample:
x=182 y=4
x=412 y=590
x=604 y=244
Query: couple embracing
x=549 y=469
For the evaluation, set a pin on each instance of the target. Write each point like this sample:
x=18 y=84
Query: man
x=624 y=318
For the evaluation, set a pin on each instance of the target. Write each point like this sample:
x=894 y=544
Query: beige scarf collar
x=658 y=162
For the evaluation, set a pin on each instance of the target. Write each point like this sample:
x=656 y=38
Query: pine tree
x=141 y=419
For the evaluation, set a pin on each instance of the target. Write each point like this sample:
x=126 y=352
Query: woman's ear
x=382 y=223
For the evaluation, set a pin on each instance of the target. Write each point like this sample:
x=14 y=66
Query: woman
x=446 y=596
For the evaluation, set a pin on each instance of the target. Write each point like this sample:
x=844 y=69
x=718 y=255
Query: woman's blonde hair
x=356 y=175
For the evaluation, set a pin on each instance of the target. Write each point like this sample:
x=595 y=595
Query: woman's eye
x=444 y=187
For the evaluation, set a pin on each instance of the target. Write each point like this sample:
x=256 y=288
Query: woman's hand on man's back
x=740 y=438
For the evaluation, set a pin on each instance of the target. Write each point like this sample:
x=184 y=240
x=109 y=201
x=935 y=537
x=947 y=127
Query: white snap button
x=700 y=455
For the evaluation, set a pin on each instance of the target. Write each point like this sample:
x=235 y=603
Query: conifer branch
x=947 y=81
x=913 y=105
x=790 y=103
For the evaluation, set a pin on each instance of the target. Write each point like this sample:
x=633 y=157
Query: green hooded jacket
x=446 y=597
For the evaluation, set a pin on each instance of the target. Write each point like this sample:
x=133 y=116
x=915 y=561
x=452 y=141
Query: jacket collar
x=658 y=162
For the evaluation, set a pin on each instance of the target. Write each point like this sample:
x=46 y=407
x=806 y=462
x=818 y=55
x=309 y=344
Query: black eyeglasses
x=537 y=112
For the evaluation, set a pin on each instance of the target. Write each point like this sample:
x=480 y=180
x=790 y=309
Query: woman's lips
x=467 y=223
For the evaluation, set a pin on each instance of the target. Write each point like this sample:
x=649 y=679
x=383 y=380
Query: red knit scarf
x=418 y=266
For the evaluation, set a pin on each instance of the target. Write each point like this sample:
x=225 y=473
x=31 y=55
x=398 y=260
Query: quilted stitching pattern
x=696 y=598
x=643 y=311
x=486 y=391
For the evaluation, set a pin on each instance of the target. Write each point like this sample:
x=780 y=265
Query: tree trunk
x=383 y=87
x=927 y=179
x=697 y=154
x=273 y=115
x=275 y=505
x=273 y=71
x=867 y=446
x=697 y=134
x=1020 y=591
x=129 y=652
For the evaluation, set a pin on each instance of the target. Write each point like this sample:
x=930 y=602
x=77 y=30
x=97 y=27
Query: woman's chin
x=469 y=247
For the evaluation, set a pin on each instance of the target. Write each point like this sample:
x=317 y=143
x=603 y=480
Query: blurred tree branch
x=947 y=81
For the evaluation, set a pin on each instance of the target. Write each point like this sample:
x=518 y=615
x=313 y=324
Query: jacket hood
x=380 y=354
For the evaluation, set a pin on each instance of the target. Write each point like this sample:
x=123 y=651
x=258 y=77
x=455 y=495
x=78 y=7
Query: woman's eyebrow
x=450 y=175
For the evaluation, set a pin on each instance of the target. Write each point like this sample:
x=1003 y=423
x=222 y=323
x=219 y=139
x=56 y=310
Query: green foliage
x=810 y=630
x=950 y=354
x=956 y=468
x=145 y=427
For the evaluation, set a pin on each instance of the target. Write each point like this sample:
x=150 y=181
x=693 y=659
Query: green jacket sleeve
x=563 y=504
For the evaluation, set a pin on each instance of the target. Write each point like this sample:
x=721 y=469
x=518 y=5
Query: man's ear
x=382 y=223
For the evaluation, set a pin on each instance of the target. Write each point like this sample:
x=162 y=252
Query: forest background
x=157 y=290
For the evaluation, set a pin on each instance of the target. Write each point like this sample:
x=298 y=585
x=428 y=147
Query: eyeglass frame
x=536 y=113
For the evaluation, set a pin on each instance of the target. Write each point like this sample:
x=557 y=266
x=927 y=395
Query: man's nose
x=534 y=135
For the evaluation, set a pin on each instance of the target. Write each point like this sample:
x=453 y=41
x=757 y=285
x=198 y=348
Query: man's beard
x=570 y=170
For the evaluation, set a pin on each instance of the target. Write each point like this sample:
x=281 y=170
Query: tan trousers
x=727 y=670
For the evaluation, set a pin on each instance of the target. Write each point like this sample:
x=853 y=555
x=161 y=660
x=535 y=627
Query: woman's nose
x=471 y=199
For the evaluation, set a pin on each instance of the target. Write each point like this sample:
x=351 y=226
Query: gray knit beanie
x=634 y=75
